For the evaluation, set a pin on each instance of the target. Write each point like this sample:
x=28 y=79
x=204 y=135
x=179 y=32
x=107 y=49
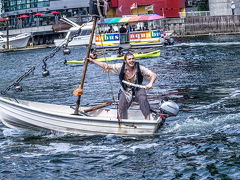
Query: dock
x=43 y=46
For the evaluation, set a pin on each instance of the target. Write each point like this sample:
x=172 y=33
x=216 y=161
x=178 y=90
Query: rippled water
x=202 y=142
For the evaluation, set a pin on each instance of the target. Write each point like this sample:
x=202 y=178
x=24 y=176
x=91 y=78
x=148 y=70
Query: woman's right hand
x=90 y=60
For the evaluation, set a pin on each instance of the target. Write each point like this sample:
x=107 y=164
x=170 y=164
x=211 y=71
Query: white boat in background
x=133 y=31
x=81 y=40
x=21 y=114
x=19 y=41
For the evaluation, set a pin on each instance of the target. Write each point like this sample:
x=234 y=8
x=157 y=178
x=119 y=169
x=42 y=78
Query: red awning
x=23 y=16
x=155 y=17
x=38 y=14
x=3 y=19
x=54 y=12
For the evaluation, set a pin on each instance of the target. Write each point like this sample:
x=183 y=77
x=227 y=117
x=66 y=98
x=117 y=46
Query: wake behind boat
x=21 y=114
x=112 y=58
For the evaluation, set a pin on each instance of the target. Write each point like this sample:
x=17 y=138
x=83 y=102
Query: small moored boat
x=19 y=41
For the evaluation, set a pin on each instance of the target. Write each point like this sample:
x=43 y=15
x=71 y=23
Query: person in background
x=128 y=28
x=110 y=30
x=123 y=33
x=233 y=6
x=130 y=71
x=120 y=52
x=94 y=55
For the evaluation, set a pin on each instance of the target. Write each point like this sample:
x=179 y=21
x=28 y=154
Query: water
x=202 y=142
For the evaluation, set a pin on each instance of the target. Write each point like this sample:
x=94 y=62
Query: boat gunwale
x=72 y=116
x=126 y=126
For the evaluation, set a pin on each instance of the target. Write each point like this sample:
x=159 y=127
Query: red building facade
x=167 y=8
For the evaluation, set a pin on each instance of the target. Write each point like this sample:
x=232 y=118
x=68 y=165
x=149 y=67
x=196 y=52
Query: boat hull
x=41 y=117
x=112 y=58
x=77 y=41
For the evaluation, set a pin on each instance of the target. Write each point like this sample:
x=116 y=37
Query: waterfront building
x=31 y=13
x=165 y=8
x=23 y=13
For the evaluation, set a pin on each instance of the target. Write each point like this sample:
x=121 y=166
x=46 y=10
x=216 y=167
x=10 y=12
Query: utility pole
x=7 y=19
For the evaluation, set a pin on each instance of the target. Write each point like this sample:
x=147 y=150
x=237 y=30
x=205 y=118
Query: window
x=72 y=33
x=85 y=32
x=33 y=5
x=42 y=3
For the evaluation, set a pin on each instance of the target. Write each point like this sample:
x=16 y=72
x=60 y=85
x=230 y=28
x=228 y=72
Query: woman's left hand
x=148 y=86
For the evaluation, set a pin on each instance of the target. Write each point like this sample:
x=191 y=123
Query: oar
x=97 y=107
x=133 y=85
x=79 y=91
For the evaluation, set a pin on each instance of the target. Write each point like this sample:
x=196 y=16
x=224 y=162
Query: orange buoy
x=78 y=92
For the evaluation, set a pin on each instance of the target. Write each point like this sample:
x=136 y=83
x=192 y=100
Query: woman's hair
x=127 y=54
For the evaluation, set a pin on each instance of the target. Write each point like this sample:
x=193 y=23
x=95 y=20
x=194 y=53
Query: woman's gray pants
x=140 y=97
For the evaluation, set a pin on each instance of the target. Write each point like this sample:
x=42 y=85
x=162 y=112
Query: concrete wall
x=66 y=4
x=223 y=7
x=32 y=30
x=195 y=26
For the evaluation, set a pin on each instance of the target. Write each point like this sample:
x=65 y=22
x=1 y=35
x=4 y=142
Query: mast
x=85 y=65
x=79 y=90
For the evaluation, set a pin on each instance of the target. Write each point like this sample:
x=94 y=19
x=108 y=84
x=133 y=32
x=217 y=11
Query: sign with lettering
x=107 y=37
x=144 y=35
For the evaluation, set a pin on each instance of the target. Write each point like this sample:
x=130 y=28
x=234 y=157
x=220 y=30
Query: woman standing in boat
x=130 y=71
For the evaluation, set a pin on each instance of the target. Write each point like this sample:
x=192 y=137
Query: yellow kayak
x=112 y=58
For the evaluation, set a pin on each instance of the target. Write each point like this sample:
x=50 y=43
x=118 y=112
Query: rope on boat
x=64 y=45
x=109 y=79
x=104 y=55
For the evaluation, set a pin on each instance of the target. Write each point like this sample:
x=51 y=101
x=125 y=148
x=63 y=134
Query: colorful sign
x=155 y=34
x=113 y=39
x=134 y=36
x=144 y=35
x=107 y=37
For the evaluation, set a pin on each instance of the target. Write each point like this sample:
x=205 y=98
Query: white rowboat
x=23 y=114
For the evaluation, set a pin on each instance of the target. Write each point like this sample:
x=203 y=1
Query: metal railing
x=194 y=14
